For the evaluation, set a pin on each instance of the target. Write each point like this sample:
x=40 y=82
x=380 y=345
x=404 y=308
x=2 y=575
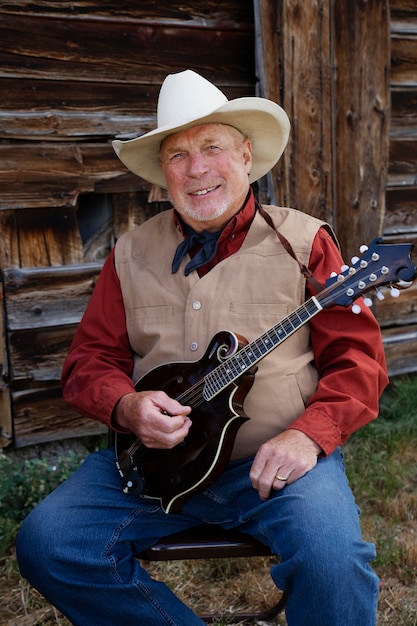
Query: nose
x=197 y=163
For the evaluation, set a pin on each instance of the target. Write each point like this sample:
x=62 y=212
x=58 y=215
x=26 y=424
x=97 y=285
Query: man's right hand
x=156 y=419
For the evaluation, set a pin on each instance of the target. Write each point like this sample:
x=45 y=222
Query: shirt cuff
x=320 y=428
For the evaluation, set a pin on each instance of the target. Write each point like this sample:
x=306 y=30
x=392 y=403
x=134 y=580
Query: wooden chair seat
x=211 y=542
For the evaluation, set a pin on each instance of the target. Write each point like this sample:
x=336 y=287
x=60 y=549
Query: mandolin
x=216 y=386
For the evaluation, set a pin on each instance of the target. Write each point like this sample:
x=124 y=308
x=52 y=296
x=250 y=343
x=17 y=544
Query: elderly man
x=218 y=260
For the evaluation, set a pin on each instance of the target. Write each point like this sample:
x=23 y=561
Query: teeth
x=202 y=192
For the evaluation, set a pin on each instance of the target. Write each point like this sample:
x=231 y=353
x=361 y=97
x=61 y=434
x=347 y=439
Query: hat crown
x=186 y=96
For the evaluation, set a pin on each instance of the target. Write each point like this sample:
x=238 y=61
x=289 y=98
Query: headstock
x=380 y=264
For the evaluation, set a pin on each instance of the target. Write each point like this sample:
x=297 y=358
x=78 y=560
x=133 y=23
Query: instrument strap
x=288 y=247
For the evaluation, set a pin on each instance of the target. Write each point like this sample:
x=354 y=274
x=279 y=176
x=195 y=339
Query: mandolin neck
x=232 y=368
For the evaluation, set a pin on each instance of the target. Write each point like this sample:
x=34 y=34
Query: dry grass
x=233 y=584
x=382 y=467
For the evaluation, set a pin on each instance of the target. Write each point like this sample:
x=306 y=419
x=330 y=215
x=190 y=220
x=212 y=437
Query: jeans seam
x=115 y=538
x=144 y=590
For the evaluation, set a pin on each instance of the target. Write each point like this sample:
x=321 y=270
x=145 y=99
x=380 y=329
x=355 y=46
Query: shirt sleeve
x=350 y=360
x=97 y=371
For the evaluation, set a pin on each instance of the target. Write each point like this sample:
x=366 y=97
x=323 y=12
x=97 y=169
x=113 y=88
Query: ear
x=247 y=154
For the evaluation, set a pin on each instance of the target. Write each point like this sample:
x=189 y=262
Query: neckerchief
x=207 y=251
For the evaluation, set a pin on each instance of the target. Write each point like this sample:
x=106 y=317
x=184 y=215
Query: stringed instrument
x=216 y=386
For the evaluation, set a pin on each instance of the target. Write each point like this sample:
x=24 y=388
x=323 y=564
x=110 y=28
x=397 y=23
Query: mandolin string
x=193 y=393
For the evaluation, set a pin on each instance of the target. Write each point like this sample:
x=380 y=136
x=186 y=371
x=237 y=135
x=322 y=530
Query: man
x=211 y=264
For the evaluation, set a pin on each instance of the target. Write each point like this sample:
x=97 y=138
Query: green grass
x=378 y=459
x=381 y=466
x=25 y=482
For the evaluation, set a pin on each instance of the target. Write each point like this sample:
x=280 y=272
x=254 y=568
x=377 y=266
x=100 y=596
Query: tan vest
x=172 y=317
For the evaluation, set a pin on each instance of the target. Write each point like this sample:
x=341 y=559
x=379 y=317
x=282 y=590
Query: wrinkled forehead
x=205 y=132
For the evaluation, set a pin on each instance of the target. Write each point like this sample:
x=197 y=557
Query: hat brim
x=265 y=123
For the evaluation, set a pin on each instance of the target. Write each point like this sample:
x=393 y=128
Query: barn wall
x=73 y=75
x=398 y=318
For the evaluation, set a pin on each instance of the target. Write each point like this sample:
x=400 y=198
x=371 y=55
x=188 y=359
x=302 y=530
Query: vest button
x=194 y=346
x=197 y=305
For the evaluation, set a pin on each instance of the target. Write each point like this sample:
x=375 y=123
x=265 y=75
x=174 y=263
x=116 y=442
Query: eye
x=174 y=158
x=212 y=149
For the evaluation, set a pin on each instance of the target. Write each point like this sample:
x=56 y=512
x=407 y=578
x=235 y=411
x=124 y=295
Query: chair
x=211 y=542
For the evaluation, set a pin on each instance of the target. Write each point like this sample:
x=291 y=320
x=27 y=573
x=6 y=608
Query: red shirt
x=348 y=349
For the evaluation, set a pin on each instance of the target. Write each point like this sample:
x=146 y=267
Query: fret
x=235 y=366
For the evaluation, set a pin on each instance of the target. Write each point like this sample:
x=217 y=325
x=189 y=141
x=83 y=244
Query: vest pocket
x=150 y=314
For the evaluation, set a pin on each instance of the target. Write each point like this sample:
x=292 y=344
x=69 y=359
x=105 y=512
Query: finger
x=172 y=423
x=281 y=480
x=155 y=436
x=170 y=406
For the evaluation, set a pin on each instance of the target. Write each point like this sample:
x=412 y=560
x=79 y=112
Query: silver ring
x=284 y=480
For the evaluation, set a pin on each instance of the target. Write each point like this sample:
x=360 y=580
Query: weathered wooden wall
x=346 y=72
x=399 y=319
x=329 y=66
x=73 y=75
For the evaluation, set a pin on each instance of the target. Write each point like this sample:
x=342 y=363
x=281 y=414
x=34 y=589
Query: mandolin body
x=174 y=475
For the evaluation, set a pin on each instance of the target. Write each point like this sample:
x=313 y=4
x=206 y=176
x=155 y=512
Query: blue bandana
x=207 y=251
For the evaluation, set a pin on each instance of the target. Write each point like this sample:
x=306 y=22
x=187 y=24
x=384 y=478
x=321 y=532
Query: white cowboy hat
x=187 y=99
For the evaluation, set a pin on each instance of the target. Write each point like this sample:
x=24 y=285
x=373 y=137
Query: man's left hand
x=282 y=460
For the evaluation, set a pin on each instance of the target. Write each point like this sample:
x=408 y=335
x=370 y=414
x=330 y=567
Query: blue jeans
x=77 y=546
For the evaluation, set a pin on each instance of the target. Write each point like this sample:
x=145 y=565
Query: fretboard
x=232 y=368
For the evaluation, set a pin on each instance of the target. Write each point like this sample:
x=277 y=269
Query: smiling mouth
x=203 y=192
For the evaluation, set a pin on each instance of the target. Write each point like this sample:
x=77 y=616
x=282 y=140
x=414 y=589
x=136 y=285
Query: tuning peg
x=363 y=249
x=379 y=295
x=368 y=302
x=395 y=292
x=356 y=309
x=354 y=260
x=344 y=268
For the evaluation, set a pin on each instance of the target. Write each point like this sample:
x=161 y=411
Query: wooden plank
x=401 y=311
x=403 y=7
x=90 y=98
x=53 y=175
x=227 y=13
x=49 y=109
x=38 y=355
x=61 y=125
x=303 y=53
x=9 y=248
x=42 y=415
x=404 y=59
x=269 y=86
x=403 y=113
x=48 y=238
x=52 y=47
x=400 y=346
x=32 y=94
x=132 y=209
x=39 y=238
x=6 y=426
x=48 y=297
x=361 y=97
x=402 y=161
x=400 y=215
